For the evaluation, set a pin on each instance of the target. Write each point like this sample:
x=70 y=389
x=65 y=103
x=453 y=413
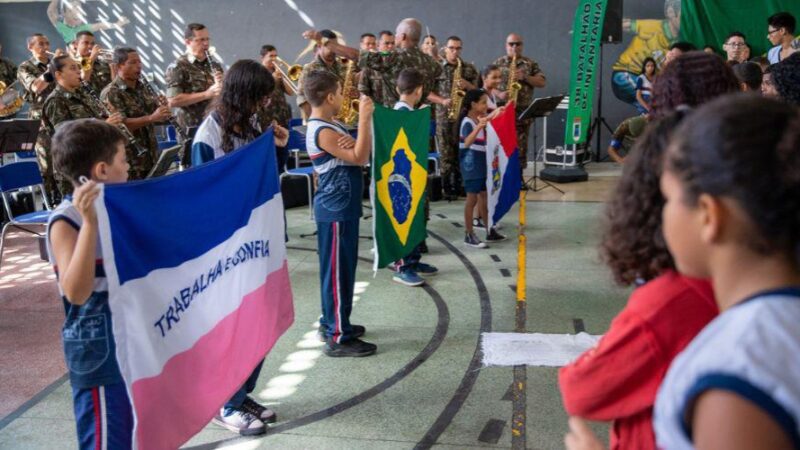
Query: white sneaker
x=239 y=421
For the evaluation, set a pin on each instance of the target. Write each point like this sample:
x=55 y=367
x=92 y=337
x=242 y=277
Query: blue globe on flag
x=400 y=186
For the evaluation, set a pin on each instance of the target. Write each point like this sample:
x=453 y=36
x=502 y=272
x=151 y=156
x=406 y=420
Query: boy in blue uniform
x=337 y=160
x=408 y=270
x=91 y=150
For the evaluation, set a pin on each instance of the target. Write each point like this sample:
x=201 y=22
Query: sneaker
x=408 y=277
x=425 y=270
x=471 y=240
x=423 y=248
x=355 y=348
x=392 y=266
x=358 y=331
x=240 y=421
x=494 y=236
x=264 y=414
x=478 y=223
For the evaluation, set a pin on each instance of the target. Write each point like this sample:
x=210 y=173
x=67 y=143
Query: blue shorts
x=475 y=186
x=104 y=417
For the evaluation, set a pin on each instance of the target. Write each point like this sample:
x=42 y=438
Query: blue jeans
x=410 y=260
x=248 y=387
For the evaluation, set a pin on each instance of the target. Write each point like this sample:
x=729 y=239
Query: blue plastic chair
x=435 y=155
x=14 y=177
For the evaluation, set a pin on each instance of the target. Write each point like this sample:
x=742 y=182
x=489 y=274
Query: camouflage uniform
x=370 y=83
x=524 y=98
x=446 y=129
x=101 y=76
x=390 y=64
x=318 y=64
x=132 y=103
x=61 y=106
x=28 y=72
x=188 y=75
x=8 y=71
x=277 y=110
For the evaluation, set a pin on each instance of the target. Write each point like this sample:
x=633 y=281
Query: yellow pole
x=521 y=255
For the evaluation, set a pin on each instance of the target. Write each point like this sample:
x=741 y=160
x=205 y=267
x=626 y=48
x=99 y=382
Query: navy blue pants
x=248 y=387
x=104 y=417
x=410 y=260
x=338 y=255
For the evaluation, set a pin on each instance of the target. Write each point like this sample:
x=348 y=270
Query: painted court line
x=534 y=349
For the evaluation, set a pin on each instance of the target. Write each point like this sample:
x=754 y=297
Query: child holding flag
x=89 y=149
x=409 y=269
x=337 y=159
x=472 y=156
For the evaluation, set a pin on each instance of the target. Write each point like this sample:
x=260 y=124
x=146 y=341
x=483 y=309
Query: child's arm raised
x=75 y=251
x=331 y=141
x=470 y=139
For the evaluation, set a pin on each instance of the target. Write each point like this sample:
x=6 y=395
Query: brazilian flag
x=399 y=174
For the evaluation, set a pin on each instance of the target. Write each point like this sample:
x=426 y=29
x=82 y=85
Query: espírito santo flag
x=400 y=176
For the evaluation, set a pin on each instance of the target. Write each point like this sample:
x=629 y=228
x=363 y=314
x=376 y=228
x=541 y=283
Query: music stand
x=165 y=160
x=541 y=107
x=18 y=135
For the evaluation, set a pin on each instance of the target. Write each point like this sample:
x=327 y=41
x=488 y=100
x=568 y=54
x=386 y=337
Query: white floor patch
x=534 y=349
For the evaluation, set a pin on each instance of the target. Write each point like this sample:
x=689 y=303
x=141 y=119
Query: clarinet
x=87 y=88
x=182 y=137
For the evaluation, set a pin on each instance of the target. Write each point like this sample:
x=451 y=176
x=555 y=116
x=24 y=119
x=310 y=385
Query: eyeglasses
x=736 y=45
x=771 y=32
x=454 y=48
x=514 y=44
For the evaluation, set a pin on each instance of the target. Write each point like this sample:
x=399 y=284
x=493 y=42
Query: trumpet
x=291 y=73
x=86 y=62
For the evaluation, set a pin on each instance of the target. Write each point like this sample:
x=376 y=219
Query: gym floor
x=426 y=387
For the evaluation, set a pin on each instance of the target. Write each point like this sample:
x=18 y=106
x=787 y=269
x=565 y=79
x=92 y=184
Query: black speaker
x=612 y=27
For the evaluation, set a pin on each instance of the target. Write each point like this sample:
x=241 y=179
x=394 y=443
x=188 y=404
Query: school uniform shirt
x=645 y=85
x=88 y=341
x=207 y=142
x=338 y=196
x=749 y=350
x=618 y=379
x=472 y=158
x=492 y=102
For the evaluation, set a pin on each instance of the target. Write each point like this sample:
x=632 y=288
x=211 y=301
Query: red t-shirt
x=619 y=378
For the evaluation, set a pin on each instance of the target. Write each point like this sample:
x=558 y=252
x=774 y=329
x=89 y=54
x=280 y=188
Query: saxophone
x=513 y=85
x=348 y=114
x=456 y=94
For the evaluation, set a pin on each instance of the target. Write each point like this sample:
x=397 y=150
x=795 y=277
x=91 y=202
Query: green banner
x=586 y=35
x=709 y=22
x=399 y=177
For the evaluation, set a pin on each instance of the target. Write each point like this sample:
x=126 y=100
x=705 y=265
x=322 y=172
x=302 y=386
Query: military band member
x=369 y=81
x=386 y=41
x=324 y=59
x=368 y=42
x=68 y=101
x=8 y=70
x=96 y=71
x=128 y=96
x=446 y=127
x=278 y=109
x=192 y=80
x=530 y=76
x=430 y=46
x=31 y=74
x=406 y=55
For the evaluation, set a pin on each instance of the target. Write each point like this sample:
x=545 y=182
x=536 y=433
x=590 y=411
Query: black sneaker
x=478 y=223
x=240 y=421
x=257 y=409
x=494 y=236
x=358 y=331
x=355 y=348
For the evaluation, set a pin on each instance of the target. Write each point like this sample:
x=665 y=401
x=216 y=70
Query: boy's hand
x=83 y=199
x=281 y=134
x=483 y=121
x=365 y=106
